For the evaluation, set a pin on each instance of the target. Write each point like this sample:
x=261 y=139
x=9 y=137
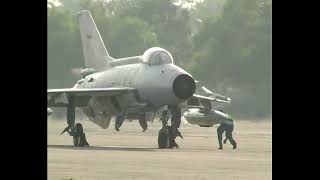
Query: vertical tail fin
x=95 y=54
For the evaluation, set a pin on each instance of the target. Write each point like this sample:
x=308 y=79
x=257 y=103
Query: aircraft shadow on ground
x=101 y=148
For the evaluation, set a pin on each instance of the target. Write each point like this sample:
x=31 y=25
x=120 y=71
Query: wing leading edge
x=59 y=97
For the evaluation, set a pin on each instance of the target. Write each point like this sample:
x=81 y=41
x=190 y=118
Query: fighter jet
x=126 y=88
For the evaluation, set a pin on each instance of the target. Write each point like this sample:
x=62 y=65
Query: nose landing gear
x=167 y=134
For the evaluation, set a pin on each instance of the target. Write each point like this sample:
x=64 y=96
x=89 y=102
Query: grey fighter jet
x=126 y=88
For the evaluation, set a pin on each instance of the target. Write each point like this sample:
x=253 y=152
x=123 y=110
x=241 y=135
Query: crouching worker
x=226 y=126
x=79 y=137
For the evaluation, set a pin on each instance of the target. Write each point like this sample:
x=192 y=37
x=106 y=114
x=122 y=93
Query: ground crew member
x=226 y=126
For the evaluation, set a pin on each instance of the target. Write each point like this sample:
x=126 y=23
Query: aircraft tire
x=163 y=138
x=76 y=140
x=78 y=131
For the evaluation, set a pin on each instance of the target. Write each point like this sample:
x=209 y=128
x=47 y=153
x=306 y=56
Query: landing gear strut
x=167 y=134
x=74 y=130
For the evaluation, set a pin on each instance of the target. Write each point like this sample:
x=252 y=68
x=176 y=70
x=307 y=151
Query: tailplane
x=95 y=53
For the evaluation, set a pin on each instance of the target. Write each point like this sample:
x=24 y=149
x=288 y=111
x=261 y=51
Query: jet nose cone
x=184 y=86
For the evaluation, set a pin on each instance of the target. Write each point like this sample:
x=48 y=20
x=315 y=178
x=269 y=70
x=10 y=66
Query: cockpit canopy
x=157 y=56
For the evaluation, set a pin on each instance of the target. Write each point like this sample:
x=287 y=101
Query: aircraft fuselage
x=154 y=83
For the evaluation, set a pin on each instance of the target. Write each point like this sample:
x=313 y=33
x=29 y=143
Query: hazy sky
x=58 y=3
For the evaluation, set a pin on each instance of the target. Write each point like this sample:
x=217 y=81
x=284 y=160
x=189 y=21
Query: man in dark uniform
x=226 y=126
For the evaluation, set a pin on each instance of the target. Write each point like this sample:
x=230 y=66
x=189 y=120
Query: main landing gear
x=74 y=130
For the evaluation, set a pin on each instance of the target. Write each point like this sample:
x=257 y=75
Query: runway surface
x=132 y=154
